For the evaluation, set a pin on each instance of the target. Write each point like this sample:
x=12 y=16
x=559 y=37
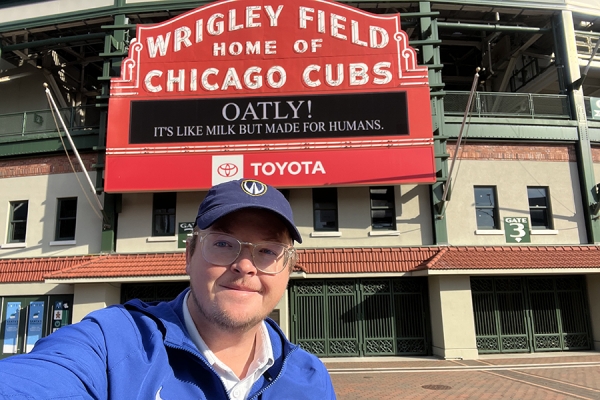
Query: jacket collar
x=169 y=318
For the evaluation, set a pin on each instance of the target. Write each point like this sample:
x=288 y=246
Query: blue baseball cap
x=227 y=197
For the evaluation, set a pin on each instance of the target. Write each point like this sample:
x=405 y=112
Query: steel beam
x=48 y=42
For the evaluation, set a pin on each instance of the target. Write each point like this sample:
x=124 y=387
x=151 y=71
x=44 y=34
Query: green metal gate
x=360 y=317
x=525 y=314
x=559 y=313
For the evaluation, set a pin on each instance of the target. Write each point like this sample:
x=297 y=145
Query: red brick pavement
x=530 y=377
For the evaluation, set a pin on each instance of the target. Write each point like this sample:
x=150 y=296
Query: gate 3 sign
x=516 y=230
x=295 y=92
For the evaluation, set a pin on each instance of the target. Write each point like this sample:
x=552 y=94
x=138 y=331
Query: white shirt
x=237 y=389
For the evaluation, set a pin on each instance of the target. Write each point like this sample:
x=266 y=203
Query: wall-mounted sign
x=298 y=92
x=516 y=230
x=268 y=118
x=185 y=230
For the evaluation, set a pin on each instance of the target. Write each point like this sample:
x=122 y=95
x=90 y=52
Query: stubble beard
x=222 y=319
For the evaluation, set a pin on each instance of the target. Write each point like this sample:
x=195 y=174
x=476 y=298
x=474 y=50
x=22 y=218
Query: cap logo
x=254 y=188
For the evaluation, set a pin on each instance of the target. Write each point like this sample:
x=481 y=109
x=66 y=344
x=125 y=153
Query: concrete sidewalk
x=550 y=376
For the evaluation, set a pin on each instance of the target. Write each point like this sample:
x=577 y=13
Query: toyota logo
x=227 y=170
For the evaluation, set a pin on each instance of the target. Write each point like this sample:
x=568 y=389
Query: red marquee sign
x=297 y=93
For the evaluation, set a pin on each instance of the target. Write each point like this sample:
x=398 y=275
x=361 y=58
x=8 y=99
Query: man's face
x=236 y=297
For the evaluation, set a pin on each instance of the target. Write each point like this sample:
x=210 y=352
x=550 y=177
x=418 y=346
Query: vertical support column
x=112 y=208
x=284 y=313
x=115 y=49
x=452 y=320
x=90 y=297
x=593 y=291
x=431 y=58
x=564 y=33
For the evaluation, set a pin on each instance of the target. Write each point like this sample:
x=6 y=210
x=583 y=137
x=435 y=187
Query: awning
x=15 y=270
x=514 y=259
x=433 y=260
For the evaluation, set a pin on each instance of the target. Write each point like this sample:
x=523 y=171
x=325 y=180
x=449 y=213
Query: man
x=214 y=341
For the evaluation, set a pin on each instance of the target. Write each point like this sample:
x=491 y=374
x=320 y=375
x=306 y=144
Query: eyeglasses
x=223 y=249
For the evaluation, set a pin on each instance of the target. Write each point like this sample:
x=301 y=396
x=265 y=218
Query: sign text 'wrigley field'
x=204 y=36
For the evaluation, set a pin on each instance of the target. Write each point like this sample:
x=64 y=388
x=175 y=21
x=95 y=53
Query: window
x=486 y=207
x=539 y=208
x=325 y=213
x=18 y=221
x=383 y=210
x=66 y=218
x=163 y=214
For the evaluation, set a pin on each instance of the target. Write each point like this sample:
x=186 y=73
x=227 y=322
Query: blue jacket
x=143 y=351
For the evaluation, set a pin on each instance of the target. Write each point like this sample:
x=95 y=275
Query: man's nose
x=244 y=263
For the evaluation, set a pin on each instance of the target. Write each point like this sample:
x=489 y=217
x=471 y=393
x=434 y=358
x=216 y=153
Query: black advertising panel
x=269 y=118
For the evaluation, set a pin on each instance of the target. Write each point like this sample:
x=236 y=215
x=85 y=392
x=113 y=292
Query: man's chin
x=235 y=323
x=231 y=315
